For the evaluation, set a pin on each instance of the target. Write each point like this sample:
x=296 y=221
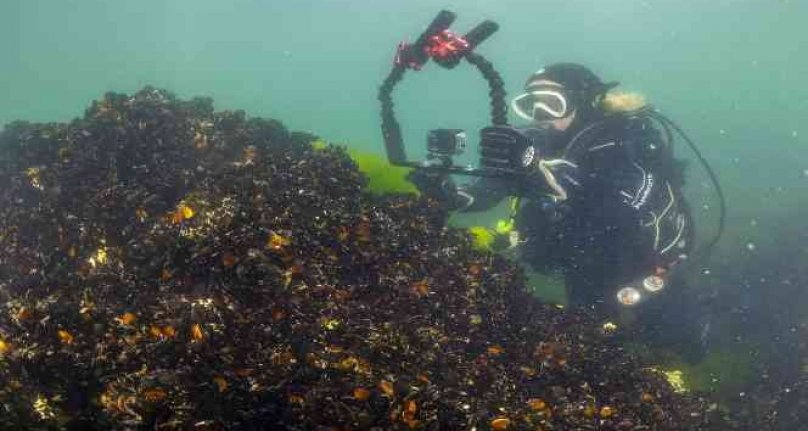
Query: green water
x=731 y=72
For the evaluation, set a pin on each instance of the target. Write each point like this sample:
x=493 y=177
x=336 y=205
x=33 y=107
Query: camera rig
x=504 y=150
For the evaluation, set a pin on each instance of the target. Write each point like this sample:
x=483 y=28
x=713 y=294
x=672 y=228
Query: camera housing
x=446 y=142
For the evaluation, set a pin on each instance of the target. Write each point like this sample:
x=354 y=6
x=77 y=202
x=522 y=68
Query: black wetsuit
x=623 y=215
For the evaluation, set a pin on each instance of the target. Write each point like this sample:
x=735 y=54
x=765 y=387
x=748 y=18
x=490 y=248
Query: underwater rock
x=167 y=266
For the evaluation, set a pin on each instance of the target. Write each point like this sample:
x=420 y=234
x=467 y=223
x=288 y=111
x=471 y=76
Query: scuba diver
x=607 y=209
x=595 y=189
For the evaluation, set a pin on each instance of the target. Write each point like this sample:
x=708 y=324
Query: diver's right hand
x=505 y=147
x=435 y=185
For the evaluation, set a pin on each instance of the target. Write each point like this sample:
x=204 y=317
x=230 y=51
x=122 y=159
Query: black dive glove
x=435 y=185
x=506 y=148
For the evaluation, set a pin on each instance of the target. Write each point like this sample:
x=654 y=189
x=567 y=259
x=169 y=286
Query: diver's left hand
x=559 y=176
x=436 y=185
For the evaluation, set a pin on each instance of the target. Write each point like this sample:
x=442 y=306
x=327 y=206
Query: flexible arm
x=482 y=194
x=479 y=195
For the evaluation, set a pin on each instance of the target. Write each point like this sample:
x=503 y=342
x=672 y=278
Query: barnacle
x=248 y=156
x=347 y=364
x=34 y=178
x=43 y=408
x=229 y=259
x=353 y=364
x=277 y=241
x=168 y=331
x=409 y=413
x=277 y=314
x=330 y=324
x=86 y=306
x=154 y=395
x=536 y=404
x=204 y=303
x=606 y=411
x=552 y=353
x=289 y=274
x=182 y=213
x=386 y=387
x=118 y=402
x=500 y=423
x=420 y=288
x=363 y=231
x=141 y=214
x=495 y=350
x=609 y=328
x=342 y=233
x=65 y=336
x=100 y=257
x=5 y=346
x=205 y=219
x=589 y=410
x=23 y=314
x=165 y=274
x=200 y=140
x=361 y=394
x=221 y=383
x=127 y=318
x=196 y=332
x=163 y=332
x=282 y=356
x=675 y=378
x=528 y=371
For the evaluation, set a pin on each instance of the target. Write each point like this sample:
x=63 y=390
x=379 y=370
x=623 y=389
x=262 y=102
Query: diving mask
x=542 y=103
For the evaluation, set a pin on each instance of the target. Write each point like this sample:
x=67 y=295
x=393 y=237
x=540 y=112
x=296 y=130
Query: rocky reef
x=166 y=266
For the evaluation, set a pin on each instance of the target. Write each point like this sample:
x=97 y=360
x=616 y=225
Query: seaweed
x=383 y=178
